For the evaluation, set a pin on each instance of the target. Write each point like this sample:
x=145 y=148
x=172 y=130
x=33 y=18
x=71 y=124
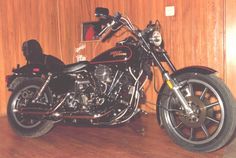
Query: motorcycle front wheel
x=22 y=124
x=214 y=108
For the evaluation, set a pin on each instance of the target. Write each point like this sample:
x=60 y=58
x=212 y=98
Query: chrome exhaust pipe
x=37 y=112
x=39 y=109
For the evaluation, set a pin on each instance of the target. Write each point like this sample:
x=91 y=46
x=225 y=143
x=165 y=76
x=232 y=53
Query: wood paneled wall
x=230 y=47
x=194 y=36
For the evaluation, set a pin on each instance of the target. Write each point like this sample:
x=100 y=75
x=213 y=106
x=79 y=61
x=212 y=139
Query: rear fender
x=31 y=70
x=23 y=73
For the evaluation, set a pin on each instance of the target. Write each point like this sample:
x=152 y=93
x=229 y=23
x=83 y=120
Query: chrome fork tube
x=176 y=89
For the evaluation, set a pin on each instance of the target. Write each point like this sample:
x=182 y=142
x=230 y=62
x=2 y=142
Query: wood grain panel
x=20 y=21
x=197 y=34
x=230 y=46
x=194 y=36
x=2 y=69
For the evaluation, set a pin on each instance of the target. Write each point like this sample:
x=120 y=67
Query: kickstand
x=137 y=124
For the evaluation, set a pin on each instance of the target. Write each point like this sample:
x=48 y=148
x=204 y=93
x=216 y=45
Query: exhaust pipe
x=39 y=109
x=39 y=112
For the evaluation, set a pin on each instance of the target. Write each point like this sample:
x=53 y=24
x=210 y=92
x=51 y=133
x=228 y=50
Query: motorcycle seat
x=74 y=67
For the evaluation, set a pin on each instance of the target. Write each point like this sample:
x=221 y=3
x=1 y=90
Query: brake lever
x=111 y=26
x=108 y=26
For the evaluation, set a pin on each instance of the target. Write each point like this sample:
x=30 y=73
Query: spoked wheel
x=22 y=124
x=213 y=105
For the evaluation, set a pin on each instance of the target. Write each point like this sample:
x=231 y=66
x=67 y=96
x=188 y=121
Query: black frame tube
x=171 y=65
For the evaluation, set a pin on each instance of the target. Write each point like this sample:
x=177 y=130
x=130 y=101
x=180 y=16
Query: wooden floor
x=142 y=138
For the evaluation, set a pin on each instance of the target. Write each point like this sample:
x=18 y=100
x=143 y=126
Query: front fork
x=173 y=85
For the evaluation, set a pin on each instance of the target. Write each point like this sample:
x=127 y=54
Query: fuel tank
x=116 y=55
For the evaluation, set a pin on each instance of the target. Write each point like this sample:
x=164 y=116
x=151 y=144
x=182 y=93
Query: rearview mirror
x=101 y=12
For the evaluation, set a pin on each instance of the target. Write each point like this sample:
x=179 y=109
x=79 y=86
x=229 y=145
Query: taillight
x=36 y=69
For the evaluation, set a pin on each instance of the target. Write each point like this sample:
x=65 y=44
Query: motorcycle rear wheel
x=214 y=106
x=24 y=125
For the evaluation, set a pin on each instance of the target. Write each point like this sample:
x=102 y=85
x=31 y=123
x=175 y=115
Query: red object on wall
x=89 y=33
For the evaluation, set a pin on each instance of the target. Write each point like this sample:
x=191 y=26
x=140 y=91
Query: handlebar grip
x=117 y=17
x=109 y=25
x=114 y=23
x=101 y=33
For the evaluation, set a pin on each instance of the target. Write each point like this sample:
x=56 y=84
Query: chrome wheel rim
x=208 y=107
x=20 y=100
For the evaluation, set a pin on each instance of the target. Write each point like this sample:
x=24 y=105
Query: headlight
x=156 y=38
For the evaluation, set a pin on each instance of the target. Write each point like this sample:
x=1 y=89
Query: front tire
x=212 y=103
x=24 y=125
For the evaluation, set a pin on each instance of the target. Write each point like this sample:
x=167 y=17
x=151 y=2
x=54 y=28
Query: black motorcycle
x=194 y=106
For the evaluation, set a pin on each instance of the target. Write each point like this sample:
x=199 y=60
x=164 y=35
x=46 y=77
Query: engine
x=113 y=83
x=103 y=73
x=84 y=95
x=93 y=89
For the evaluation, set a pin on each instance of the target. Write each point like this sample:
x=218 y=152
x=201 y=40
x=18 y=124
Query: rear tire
x=25 y=125
x=214 y=105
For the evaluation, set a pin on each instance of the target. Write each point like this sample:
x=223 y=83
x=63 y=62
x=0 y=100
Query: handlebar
x=108 y=26
x=117 y=17
x=115 y=23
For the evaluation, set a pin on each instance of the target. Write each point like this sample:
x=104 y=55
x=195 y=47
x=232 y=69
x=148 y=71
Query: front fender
x=194 y=69
x=191 y=69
